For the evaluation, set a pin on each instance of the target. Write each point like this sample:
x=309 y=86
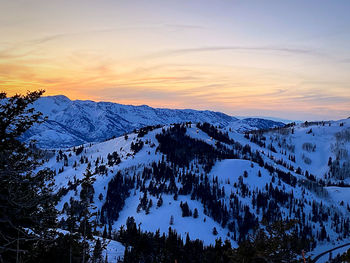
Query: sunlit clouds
x=200 y=55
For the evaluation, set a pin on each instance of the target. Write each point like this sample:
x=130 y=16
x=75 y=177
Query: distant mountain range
x=70 y=123
x=286 y=121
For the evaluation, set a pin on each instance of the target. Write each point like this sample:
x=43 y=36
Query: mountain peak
x=74 y=122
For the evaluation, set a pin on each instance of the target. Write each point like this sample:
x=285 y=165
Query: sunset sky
x=288 y=59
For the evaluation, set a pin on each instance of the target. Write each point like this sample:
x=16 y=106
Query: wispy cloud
x=27 y=47
x=185 y=26
x=54 y=37
x=12 y=53
x=184 y=51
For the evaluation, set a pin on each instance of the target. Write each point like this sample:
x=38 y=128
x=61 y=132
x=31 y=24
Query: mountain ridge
x=75 y=122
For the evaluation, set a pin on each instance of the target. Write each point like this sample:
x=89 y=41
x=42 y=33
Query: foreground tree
x=27 y=213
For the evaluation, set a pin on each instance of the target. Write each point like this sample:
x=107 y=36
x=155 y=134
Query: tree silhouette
x=26 y=201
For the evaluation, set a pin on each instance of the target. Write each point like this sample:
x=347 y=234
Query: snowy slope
x=241 y=180
x=249 y=124
x=76 y=122
x=312 y=145
x=158 y=218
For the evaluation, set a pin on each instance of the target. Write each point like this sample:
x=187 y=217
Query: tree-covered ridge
x=181 y=149
x=215 y=133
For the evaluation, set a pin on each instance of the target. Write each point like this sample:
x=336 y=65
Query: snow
x=227 y=171
x=322 y=137
x=159 y=218
x=198 y=134
x=336 y=252
x=114 y=250
x=339 y=194
x=232 y=169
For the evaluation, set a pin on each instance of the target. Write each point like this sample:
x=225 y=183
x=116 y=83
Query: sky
x=281 y=58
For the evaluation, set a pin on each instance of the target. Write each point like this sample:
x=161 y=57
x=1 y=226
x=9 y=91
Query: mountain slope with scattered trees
x=191 y=192
x=211 y=183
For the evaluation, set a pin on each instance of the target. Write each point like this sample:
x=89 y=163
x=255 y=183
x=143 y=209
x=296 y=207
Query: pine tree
x=87 y=190
x=160 y=202
x=26 y=201
x=195 y=213
x=97 y=254
x=104 y=235
x=215 y=232
x=86 y=196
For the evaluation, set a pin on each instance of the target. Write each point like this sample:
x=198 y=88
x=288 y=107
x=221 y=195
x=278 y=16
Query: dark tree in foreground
x=26 y=203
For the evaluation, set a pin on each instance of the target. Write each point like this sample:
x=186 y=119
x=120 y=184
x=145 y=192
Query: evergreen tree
x=160 y=202
x=97 y=254
x=86 y=196
x=104 y=235
x=215 y=232
x=26 y=201
x=87 y=189
x=195 y=213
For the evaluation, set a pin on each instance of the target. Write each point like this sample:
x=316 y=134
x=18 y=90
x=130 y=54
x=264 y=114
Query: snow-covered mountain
x=214 y=183
x=249 y=124
x=72 y=123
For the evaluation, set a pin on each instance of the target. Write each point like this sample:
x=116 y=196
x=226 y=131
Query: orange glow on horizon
x=103 y=53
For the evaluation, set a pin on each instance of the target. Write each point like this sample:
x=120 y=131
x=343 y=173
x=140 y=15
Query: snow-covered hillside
x=213 y=183
x=72 y=123
x=320 y=149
